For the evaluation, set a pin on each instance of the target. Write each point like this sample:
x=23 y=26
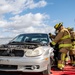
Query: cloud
x=25 y=20
x=17 y=6
x=41 y=3
x=27 y=23
x=3 y=23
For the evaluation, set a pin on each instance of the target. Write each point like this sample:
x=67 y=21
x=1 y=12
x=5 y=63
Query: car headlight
x=36 y=52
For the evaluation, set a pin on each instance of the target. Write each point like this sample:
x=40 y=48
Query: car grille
x=8 y=67
x=13 y=53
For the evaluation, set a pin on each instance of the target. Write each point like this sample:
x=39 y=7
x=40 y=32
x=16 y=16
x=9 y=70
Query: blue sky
x=26 y=16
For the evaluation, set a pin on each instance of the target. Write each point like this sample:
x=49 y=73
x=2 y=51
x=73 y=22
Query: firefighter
x=63 y=38
x=56 y=48
x=72 y=50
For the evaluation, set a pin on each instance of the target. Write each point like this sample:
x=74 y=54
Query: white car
x=29 y=52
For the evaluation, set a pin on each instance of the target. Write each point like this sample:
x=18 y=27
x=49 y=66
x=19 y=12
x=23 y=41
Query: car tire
x=47 y=72
x=52 y=61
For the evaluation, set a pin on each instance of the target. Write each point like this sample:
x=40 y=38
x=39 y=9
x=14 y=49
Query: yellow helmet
x=57 y=26
x=69 y=28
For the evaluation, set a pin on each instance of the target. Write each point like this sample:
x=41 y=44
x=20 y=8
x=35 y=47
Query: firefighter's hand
x=51 y=44
x=50 y=34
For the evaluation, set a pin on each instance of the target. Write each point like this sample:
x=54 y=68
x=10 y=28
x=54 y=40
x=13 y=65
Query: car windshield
x=35 y=38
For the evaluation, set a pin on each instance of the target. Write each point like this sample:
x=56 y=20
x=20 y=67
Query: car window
x=43 y=38
x=18 y=39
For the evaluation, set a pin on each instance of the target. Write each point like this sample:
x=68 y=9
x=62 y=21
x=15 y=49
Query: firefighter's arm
x=73 y=36
x=57 y=39
x=51 y=36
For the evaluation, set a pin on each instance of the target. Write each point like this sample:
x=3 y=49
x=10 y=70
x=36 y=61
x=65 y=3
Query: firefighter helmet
x=57 y=26
x=69 y=28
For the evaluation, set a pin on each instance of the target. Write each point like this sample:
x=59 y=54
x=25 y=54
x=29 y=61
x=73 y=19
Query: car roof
x=33 y=33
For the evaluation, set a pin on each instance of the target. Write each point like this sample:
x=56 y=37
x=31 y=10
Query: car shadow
x=18 y=73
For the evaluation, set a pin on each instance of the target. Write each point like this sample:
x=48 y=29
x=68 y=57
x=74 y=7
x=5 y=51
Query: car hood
x=19 y=50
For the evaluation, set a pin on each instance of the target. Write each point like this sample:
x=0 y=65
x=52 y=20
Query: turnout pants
x=61 y=57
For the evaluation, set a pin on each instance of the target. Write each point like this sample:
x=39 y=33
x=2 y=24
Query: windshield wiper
x=14 y=42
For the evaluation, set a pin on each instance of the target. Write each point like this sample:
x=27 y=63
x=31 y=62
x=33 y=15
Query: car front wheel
x=47 y=72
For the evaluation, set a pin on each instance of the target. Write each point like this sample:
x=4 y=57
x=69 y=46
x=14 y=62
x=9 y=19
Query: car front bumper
x=28 y=64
